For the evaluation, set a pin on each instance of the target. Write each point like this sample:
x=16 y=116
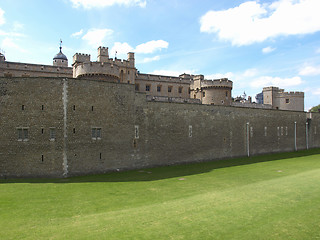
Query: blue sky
x=253 y=43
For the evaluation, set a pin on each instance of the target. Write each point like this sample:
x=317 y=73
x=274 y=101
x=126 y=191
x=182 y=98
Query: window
x=203 y=94
x=96 y=133
x=42 y=107
x=74 y=107
x=281 y=131
x=169 y=88
x=137 y=87
x=190 y=130
x=22 y=107
x=287 y=100
x=52 y=134
x=278 y=131
x=136 y=131
x=159 y=88
x=23 y=134
x=226 y=93
x=148 y=87
x=251 y=131
x=265 y=131
x=180 y=89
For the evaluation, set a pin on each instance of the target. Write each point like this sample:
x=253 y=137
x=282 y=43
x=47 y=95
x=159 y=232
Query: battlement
x=80 y=58
x=94 y=68
x=216 y=83
x=281 y=93
x=291 y=94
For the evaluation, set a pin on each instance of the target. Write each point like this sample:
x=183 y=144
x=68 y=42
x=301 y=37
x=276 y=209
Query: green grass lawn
x=265 y=197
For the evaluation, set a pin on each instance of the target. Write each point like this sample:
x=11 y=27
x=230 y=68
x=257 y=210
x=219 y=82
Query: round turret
x=60 y=59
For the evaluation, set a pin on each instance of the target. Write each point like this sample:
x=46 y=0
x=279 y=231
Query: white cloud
x=77 y=34
x=95 y=36
x=310 y=71
x=318 y=51
x=265 y=81
x=252 y=22
x=151 y=46
x=88 y=4
x=316 y=91
x=252 y=72
x=2 y=19
x=17 y=26
x=152 y=59
x=8 y=43
x=172 y=73
x=144 y=48
x=121 y=48
x=268 y=50
x=228 y=75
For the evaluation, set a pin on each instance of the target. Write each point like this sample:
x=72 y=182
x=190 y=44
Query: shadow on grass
x=165 y=172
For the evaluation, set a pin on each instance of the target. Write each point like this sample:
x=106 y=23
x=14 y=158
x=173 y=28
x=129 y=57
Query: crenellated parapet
x=80 y=58
x=98 y=70
x=116 y=69
x=217 y=83
x=279 y=99
x=214 y=92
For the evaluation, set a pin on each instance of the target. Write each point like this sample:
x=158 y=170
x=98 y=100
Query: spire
x=60 y=45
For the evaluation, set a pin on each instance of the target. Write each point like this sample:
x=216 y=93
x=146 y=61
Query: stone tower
x=60 y=60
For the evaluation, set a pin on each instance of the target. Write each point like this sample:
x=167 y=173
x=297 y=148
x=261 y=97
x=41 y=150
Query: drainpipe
x=307 y=142
x=295 y=136
x=248 y=140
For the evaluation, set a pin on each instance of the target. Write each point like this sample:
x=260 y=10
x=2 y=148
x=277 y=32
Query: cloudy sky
x=254 y=43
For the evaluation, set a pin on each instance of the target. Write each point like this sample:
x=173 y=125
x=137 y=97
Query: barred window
x=52 y=134
x=96 y=133
x=23 y=134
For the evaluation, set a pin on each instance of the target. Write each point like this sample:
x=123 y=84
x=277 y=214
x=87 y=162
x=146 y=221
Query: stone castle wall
x=134 y=132
x=15 y=69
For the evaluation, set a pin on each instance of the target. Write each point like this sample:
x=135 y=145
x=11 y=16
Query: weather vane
x=60 y=44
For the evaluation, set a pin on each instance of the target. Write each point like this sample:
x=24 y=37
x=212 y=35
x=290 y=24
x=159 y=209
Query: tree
x=315 y=108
